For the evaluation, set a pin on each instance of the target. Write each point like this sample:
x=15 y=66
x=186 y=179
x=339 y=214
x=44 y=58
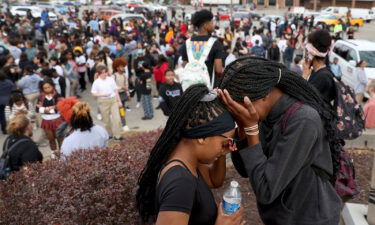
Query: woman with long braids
x=174 y=185
x=288 y=147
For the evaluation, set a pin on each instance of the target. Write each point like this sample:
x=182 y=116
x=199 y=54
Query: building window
x=289 y=2
x=260 y=2
x=272 y=2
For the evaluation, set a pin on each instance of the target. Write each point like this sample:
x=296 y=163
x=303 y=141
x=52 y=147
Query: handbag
x=124 y=96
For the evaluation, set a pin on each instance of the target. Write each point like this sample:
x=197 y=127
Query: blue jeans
x=147 y=106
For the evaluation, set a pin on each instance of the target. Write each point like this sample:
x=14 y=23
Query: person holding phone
x=315 y=69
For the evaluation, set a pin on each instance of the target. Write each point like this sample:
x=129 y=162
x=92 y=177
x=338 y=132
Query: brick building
x=318 y=3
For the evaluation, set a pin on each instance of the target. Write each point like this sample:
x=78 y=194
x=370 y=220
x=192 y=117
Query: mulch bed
x=363 y=160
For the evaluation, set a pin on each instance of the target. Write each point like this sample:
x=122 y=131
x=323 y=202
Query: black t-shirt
x=24 y=152
x=217 y=51
x=169 y=94
x=146 y=81
x=323 y=81
x=181 y=191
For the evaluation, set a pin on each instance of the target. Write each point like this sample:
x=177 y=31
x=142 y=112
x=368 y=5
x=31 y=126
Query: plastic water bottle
x=232 y=198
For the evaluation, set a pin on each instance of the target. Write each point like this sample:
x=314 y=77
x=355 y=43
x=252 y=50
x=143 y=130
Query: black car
x=255 y=16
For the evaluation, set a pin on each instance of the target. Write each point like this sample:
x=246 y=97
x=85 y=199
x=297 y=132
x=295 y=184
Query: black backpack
x=4 y=160
x=350 y=119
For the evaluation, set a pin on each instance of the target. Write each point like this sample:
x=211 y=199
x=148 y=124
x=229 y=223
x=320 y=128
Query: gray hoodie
x=280 y=169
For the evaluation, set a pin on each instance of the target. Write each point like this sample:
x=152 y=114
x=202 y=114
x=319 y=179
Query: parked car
x=35 y=12
x=143 y=9
x=335 y=10
x=60 y=9
x=128 y=16
x=133 y=4
x=349 y=53
x=239 y=17
x=254 y=15
x=106 y=14
x=266 y=19
x=222 y=8
x=365 y=14
x=246 y=7
x=332 y=20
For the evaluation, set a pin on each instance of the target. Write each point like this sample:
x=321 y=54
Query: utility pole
x=231 y=9
x=315 y=4
x=371 y=202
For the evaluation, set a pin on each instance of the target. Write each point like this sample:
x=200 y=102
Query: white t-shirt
x=59 y=70
x=106 y=86
x=282 y=45
x=91 y=63
x=97 y=137
x=257 y=37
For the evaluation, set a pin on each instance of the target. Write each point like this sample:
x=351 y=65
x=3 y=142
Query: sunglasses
x=232 y=142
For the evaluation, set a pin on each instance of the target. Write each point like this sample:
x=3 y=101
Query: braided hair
x=189 y=112
x=256 y=77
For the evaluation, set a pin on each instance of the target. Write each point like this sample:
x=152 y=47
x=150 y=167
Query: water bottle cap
x=234 y=184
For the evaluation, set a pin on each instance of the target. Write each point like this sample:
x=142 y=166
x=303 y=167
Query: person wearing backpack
x=349 y=118
x=315 y=69
x=285 y=133
x=19 y=148
x=203 y=21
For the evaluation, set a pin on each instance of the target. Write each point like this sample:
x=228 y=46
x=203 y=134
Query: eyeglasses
x=232 y=142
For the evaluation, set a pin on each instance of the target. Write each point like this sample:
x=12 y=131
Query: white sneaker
x=138 y=105
x=99 y=116
x=125 y=128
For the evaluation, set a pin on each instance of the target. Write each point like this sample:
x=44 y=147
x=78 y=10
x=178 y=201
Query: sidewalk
x=133 y=120
x=367 y=140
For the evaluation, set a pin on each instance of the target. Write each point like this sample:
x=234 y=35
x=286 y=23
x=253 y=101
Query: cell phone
x=307 y=56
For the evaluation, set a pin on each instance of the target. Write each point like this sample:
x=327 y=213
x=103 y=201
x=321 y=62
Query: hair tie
x=279 y=76
x=212 y=95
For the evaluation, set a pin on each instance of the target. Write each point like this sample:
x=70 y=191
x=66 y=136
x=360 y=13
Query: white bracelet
x=252 y=133
x=255 y=127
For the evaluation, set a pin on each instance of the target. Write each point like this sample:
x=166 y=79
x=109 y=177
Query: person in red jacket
x=183 y=29
x=160 y=69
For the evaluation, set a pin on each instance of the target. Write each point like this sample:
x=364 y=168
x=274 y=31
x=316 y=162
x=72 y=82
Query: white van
x=365 y=14
x=349 y=53
x=335 y=10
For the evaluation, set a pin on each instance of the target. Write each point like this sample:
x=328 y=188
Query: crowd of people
x=260 y=71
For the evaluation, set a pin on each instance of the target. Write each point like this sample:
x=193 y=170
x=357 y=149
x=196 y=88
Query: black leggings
x=138 y=89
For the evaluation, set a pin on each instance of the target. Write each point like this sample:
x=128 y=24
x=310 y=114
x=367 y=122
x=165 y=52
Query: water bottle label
x=230 y=208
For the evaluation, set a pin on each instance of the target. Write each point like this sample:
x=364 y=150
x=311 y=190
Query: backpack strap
x=7 y=150
x=189 y=50
x=207 y=48
x=289 y=113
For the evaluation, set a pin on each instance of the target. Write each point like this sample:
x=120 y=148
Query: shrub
x=89 y=187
